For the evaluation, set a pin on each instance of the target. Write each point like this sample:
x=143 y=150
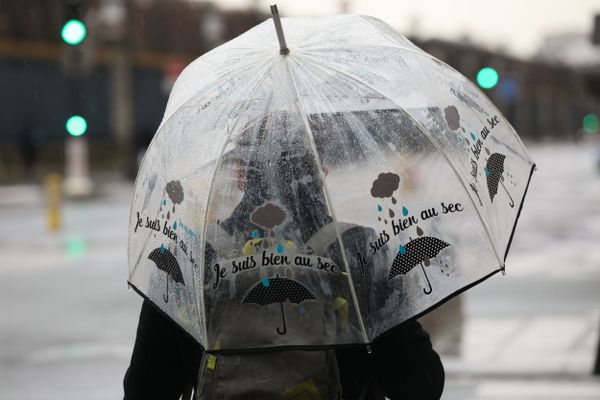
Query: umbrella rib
x=313 y=146
x=212 y=182
x=428 y=136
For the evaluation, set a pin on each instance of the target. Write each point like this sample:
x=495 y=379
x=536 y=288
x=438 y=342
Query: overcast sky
x=517 y=25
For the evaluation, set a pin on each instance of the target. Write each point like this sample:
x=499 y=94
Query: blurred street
x=68 y=320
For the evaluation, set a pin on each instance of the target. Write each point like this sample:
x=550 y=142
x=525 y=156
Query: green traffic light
x=73 y=32
x=76 y=125
x=487 y=77
x=591 y=123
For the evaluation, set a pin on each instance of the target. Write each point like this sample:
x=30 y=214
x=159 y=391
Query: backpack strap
x=326 y=236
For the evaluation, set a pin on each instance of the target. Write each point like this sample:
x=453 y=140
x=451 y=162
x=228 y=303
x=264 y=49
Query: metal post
x=283 y=49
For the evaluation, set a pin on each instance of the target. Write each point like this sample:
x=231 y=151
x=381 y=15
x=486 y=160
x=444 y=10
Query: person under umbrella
x=402 y=363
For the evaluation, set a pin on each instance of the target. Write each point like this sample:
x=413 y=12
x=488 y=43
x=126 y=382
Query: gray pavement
x=68 y=321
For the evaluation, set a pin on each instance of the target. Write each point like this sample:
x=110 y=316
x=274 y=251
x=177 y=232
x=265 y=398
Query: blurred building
x=135 y=49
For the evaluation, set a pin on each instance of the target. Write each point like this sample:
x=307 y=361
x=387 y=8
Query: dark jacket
x=165 y=363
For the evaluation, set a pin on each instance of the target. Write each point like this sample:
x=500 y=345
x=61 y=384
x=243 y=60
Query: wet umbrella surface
x=317 y=166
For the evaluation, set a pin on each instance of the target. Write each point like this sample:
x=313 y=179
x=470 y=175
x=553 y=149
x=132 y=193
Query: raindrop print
x=394 y=200
x=385 y=221
x=302 y=311
x=447 y=274
x=162 y=248
x=162 y=216
x=487 y=171
x=164 y=202
x=462 y=129
x=265 y=281
x=168 y=214
x=280 y=248
x=402 y=249
x=427 y=262
x=175 y=225
x=404 y=211
x=487 y=151
x=271 y=234
x=473 y=137
x=392 y=213
x=379 y=218
x=440 y=262
x=419 y=231
x=255 y=233
x=460 y=139
x=379 y=208
x=173 y=207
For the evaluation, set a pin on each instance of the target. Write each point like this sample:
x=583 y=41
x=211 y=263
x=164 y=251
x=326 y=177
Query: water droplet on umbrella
x=379 y=208
x=168 y=214
x=427 y=262
x=175 y=225
x=394 y=200
x=255 y=233
x=162 y=248
x=265 y=281
x=419 y=231
x=473 y=136
x=280 y=248
x=402 y=249
x=392 y=213
x=404 y=211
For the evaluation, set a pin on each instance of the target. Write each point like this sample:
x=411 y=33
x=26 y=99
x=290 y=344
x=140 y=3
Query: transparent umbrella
x=322 y=161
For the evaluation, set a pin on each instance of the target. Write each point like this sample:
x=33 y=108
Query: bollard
x=52 y=183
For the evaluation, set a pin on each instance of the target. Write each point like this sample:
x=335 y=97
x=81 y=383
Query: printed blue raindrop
x=379 y=208
x=255 y=233
x=302 y=311
x=162 y=248
x=473 y=136
x=487 y=171
x=402 y=249
x=404 y=211
x=280 y=248
x=265 y=281
x=175 y=225
x=164 y=202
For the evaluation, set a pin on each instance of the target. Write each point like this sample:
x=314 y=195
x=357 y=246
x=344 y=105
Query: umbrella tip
x=283 y=49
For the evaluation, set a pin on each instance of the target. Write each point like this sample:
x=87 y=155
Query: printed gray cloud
x=175 y=192
x=385 y=185
x=452 y=117
x=268 y=216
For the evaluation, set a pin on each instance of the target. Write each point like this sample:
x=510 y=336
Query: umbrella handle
x=166 y=297
x=511 y=203
x=284 y=330
x=428 y=283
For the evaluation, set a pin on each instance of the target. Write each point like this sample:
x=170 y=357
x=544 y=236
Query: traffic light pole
x=77 y=182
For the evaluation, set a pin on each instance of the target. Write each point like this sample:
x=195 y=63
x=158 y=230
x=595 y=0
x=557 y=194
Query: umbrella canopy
x=318 y=165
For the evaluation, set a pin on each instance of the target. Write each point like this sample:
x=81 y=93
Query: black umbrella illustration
x=414 y=253
x=278 y=290
x=493 y=171
x=166 y=261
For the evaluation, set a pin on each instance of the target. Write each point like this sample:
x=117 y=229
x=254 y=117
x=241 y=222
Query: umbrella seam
x=435 y=144
x=329 y=202
x=212 y=181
